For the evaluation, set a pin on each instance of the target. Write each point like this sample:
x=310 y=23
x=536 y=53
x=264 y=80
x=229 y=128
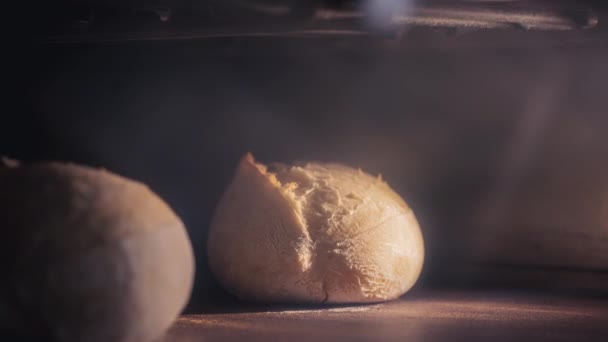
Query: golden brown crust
x=352 y=238
x=264 y=259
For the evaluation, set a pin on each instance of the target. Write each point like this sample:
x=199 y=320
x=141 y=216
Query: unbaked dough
x=87 y=255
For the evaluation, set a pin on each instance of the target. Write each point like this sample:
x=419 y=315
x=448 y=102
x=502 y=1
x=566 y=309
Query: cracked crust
x=313 y=233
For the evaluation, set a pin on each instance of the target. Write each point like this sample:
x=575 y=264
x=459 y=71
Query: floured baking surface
x=430 y=316
x=313 y=233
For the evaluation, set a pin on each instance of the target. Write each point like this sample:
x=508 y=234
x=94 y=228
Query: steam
x=380 y=13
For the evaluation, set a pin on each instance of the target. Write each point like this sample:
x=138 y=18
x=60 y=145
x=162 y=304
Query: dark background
x=498 y=140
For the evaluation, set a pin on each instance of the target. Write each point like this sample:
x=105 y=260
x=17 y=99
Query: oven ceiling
x=87 y=21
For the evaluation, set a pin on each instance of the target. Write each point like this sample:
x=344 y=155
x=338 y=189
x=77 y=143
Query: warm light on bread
x=313 y=233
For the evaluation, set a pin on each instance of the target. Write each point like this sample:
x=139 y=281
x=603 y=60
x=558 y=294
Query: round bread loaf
x=87 y=255
x=313 y=233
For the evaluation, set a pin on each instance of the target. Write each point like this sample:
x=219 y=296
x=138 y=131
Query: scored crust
x=313 y=233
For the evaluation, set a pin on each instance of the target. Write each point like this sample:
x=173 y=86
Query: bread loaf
x=313 y=233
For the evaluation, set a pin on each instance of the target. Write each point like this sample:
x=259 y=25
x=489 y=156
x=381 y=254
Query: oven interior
x=488 y=117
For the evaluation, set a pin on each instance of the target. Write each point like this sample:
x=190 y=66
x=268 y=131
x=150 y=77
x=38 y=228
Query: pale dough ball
x=87 y=255
x=313 y=233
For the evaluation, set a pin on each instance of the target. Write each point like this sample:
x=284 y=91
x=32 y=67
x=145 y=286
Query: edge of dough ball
x=109 y=259
x=320 y=233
